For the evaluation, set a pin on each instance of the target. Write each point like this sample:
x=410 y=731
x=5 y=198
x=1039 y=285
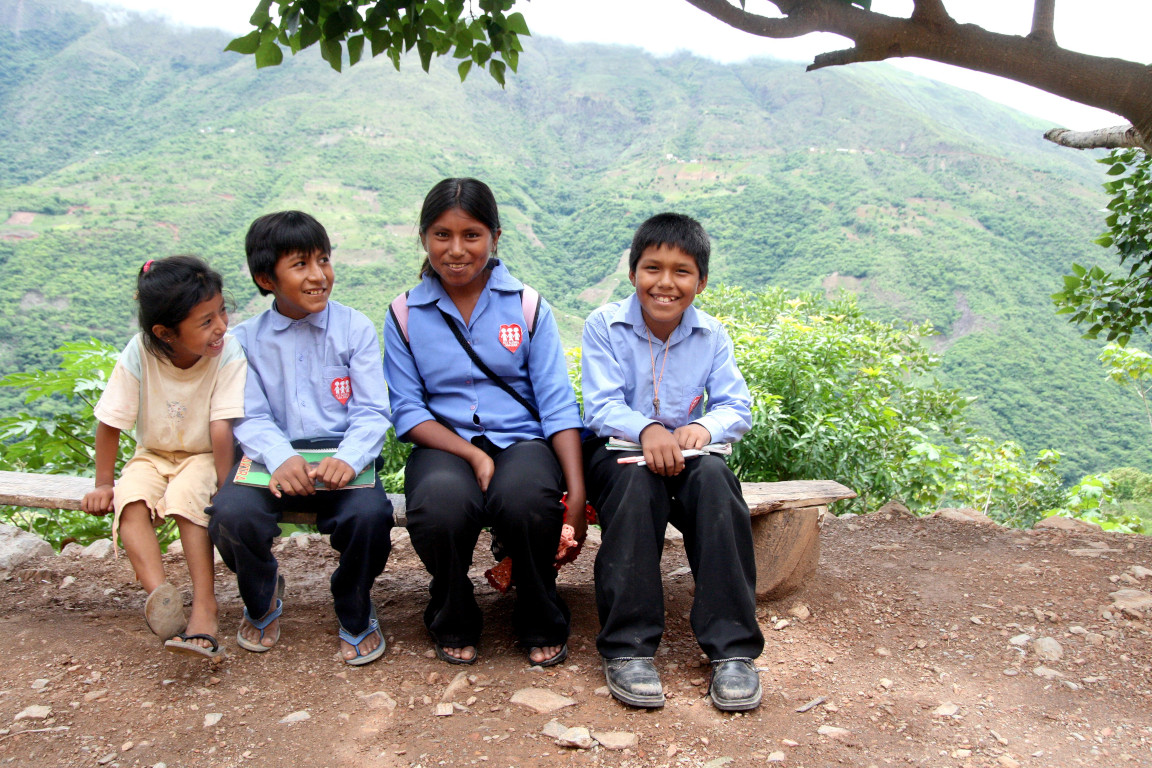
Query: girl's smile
x=200 y=334
x=459 y=248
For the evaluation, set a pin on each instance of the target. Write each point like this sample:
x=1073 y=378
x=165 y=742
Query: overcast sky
x=1103 y=27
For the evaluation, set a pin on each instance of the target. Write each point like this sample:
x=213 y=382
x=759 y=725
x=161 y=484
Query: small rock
x=106 y=759
x=578 y=737
x=429 y=654
x=885 y=683
x=1094 y=638
x=1059 y=523
x=1140 y=571
x=444 y=709
x=964 y=515
x=1020 y=640
x=1077 y=630
x=17 y=547
x=96 y=695
x=212 y=718
x=68 y=581
x=379 y=700
x=1131 y=599
x=34 y=712
x=458 y=685
x=433 y=678
x=1011 y=672
x=719 y=762
x=100 y=549
x=554 y=730
x=832 y=732
x=301 y=541
x=298 y=716
x=781 y=624
x=1007 y=762
x=39 y=684
x=776 y=757
x=616 y=740
x=1046 y=673
x=1047 y=649
x=947 y=709
x=882 y=651
x=602 y=691
x=799 y=611
x=540 y=700
x=72 y=549
x=789 y=743
x=961 y=754
x=672 y=750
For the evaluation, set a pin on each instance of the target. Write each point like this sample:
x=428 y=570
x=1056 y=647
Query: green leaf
x=246 y=44
x=269 y=55
x=260 y=16
x=464 y=68
x=496 y=68
x=515 y=23
x=425 y=49
x=1117 y=169
x=332 y=52
x=355 y=49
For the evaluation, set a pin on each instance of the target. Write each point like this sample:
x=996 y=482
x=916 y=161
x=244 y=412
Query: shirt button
x=471 y=407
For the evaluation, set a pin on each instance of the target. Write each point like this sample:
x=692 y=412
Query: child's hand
x=692 y=435
x=483 y=467
x=661 y=453
x=576 y=516
x=333 y=472
x=292 y=478
x=98 y=501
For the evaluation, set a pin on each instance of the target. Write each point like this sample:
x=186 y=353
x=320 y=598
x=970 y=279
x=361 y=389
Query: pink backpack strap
x=399 y=310
x=530 y=304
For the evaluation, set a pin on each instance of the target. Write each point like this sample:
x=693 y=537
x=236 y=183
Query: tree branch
x=930 y=12
x=1044 y=22
x=1117 y=137
x=796 y=24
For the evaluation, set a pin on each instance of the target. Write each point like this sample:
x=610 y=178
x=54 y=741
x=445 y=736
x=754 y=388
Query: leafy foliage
x=1130 y=367
x=1118 y=305
x=999 y=480
x=489 y=38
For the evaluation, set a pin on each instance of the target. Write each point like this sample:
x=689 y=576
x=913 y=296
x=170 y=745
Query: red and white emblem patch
x=695 y=402
x=342 y=389
x=510 y=337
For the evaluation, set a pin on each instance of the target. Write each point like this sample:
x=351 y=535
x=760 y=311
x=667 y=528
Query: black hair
x=676 y=230
x=276 y=234
x=471 y=196
x=167 y=290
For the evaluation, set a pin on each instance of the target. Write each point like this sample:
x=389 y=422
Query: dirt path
x=912 y=646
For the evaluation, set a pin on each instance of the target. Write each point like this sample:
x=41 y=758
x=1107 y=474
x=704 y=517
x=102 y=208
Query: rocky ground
x=924 y=642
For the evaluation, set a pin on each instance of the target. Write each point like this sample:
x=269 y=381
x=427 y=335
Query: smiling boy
x=316 y=380
x=660 y=372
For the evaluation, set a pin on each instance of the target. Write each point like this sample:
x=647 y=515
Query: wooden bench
x=786 y=519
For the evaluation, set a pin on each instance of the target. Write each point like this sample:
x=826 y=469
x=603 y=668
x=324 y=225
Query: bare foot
x=467 y=653
x=367 y=645
x=271 y=633
x=202 y=621
x=541 y=655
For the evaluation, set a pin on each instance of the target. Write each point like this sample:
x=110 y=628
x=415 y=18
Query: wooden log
x=20 y=489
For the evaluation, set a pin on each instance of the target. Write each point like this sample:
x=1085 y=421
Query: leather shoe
x=634 y=681
x=735 y=685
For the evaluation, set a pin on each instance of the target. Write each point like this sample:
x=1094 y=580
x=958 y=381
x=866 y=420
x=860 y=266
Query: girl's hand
x=576 y=516
x=292 y=478
x=333 y=472
x=98 y=501
x=692 y=435
x=661 y=453
x=483 y=467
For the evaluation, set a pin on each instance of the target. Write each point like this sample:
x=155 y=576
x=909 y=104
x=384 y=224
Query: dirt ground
x=911 y=645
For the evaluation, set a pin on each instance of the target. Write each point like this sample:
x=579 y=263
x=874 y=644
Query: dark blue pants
x=634 y=506
x=446 y=511
x=244 y=519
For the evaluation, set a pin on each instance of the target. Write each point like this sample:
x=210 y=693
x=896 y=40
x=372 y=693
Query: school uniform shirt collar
x=318 y=319
x=630 y=313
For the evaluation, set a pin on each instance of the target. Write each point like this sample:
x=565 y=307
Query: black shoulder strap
x=495 y=378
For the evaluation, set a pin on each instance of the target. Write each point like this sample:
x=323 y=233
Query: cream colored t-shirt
x=169 y=406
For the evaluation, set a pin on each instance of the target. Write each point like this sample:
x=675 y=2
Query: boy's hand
x=333 y=472
x=98 y=501
x=692 y=435
x=292 y=478
x=661 y=453
x=483 y=467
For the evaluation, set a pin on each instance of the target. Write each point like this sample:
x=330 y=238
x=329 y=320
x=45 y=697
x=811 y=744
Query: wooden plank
x=763 y=498
x=23 y=489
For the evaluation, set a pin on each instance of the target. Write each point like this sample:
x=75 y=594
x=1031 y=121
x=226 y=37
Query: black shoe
x=634 y=681
x=735 y=685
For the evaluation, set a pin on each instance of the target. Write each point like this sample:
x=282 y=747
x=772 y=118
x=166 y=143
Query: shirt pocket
x=693 y=403
x=336 y=389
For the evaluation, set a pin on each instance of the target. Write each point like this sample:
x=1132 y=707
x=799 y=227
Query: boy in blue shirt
x=632 y=392
x=315 y=380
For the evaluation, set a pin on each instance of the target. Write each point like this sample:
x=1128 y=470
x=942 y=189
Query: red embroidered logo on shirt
x=510 y=337
x=695 y=402
x=342 y=389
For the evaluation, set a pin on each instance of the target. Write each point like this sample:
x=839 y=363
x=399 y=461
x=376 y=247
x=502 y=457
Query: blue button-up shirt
x=434 y=375
x=701 y=382
x=320 y=377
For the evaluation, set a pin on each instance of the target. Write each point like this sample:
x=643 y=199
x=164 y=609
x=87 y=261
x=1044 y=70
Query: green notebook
x=254 y=473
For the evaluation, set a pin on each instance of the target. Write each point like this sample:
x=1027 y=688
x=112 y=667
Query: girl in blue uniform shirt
x=493 y=448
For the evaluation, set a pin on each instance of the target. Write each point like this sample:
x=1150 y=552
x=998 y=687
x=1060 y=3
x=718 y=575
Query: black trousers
x=244 y=519
x=635 y=506
x=446 y=511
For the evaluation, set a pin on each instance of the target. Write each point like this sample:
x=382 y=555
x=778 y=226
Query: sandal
x=559 y=658
x=261 y=624
x=164 y=611
x=443 y=656
x=354 y=640
x=182 y=645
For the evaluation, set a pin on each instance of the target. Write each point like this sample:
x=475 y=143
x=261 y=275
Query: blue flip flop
x=260 y=624
x=355 y=640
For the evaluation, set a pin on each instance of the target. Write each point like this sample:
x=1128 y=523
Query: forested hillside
x=125 y=140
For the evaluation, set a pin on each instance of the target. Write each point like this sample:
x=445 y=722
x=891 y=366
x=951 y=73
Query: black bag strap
x=495 y=378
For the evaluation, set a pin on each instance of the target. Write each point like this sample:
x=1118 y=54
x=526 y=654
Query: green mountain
x=126 y=140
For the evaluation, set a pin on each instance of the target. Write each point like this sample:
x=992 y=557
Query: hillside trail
x=919 y=642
